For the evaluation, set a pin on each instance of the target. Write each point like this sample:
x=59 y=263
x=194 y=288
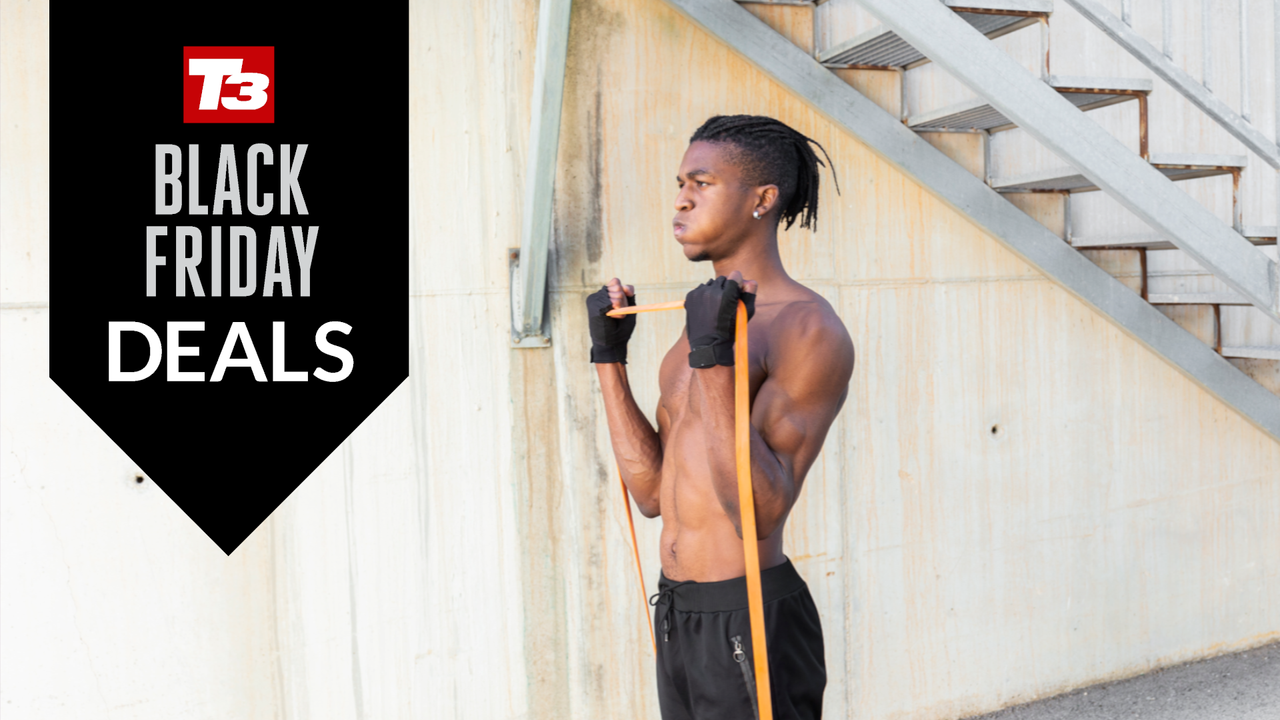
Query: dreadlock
x=770 y=152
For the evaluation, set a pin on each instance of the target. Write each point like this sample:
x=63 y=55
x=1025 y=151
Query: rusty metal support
x=1217 y=328
x=855 y=66
x=992 y=11
x=1142 y=128
x=1237 y=220
x=1142 y=266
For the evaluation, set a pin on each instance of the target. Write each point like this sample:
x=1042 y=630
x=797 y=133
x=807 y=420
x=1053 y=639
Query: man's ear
x=768 y=195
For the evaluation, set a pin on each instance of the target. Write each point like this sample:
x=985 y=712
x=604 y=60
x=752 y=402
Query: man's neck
x=758 y=260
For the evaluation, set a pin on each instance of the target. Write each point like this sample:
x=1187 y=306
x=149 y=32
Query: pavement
x=1239 y=686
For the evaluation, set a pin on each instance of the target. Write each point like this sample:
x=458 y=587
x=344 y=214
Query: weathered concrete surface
x=113 y=604
x=1238 y=686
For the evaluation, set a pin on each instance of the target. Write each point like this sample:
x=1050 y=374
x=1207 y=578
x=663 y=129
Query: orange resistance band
x=746 y=499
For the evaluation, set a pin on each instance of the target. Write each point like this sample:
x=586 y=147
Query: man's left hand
x=710 y=318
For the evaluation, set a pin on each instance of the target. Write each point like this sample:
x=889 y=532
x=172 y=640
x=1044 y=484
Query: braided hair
x=770 y=152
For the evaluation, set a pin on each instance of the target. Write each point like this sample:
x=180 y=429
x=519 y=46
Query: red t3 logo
x=229 y=85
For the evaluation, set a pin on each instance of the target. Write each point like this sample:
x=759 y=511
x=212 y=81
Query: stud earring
x=755 y=214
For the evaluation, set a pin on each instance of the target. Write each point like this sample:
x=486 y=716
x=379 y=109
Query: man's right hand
x=609 y=335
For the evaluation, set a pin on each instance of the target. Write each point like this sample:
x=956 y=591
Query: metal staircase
x=980 y=114
x=983 y=114
x=1022 y=96
x=881 y=48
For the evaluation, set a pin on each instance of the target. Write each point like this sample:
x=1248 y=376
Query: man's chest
x=675 y=376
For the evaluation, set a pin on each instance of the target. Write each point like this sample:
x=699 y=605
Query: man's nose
x=683 y=202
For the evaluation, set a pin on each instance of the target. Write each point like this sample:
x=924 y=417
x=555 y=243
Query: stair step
x=1084 y=93
x=881 y=47
x=1258 y=235
x=1263 y=353
x=1175 y=166
x=1206 y=298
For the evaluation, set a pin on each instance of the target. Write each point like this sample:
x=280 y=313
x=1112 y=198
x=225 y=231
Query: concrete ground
x=1239 y=686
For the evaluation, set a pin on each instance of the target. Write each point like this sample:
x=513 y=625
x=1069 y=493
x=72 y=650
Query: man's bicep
x=792 y=424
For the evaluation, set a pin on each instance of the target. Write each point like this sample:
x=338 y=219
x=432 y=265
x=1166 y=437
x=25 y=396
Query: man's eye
x=702 y=182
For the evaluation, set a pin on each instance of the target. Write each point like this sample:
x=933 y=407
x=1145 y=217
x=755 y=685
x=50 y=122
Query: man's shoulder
x=807 y=325
x=809 y=313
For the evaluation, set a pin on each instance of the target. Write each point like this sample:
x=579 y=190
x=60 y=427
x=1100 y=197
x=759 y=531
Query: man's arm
x=636 y=445
x=811 y=364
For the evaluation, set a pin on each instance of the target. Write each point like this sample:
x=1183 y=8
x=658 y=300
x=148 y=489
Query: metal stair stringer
x=964 y=53
x=796 y=70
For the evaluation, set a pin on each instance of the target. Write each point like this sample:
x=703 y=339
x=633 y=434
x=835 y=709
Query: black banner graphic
x=228 y=238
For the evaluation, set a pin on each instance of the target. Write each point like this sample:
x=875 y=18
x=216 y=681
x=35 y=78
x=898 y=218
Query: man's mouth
x=678 y=229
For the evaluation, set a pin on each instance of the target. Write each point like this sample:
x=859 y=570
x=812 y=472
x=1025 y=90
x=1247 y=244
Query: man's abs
x=699 y=541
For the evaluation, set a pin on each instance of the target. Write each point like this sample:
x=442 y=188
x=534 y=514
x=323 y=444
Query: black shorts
x=706 y=669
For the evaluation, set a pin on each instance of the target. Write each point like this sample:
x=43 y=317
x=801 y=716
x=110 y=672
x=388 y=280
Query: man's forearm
x=636 y=445
x=772 y=487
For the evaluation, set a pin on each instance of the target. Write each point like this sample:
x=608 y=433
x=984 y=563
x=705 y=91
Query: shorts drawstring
x=666 y=617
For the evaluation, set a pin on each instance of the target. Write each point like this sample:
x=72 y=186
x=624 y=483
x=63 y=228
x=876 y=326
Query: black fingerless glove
x=609 y=335
x=710 y=319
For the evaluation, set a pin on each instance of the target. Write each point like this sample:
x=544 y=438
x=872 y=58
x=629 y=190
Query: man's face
x=713 y=205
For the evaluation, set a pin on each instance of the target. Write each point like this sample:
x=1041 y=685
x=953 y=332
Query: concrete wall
x=1016 y=499
x=113 y=604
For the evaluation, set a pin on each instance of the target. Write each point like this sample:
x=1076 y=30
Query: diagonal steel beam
x=848 y=109
x=1035 y=107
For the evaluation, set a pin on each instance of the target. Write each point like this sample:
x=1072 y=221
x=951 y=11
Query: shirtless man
x=740 y=177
